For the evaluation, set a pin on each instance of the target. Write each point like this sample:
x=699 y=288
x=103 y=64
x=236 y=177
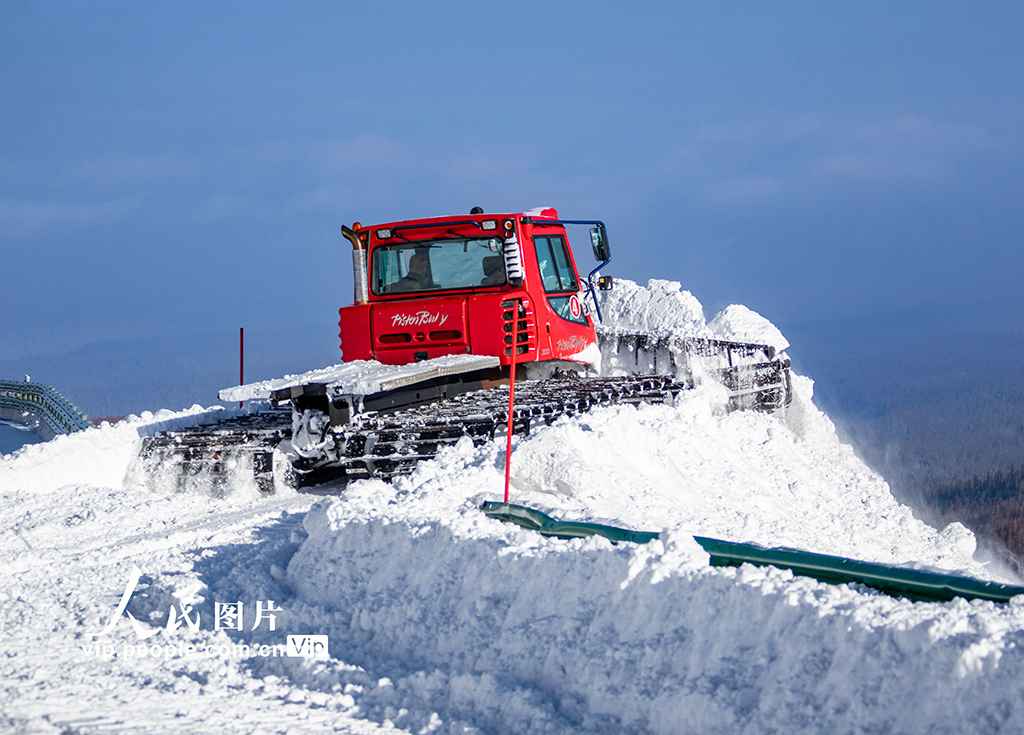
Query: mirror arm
x=592 y=291
x=542 y=222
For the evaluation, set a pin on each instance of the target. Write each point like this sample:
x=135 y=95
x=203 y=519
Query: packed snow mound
x=661 y=306
x=512 y=632
x=740 y=476
x=737 y=323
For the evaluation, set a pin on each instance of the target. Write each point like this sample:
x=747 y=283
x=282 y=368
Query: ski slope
x=441 y=620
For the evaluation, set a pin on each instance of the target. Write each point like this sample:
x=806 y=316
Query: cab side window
x=555 y=267
x=558 y=277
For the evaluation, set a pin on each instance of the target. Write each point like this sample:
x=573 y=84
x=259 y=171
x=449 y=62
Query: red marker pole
x=241 y=358
x=511 y=392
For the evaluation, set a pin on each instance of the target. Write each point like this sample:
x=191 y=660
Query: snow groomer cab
x=440 y=286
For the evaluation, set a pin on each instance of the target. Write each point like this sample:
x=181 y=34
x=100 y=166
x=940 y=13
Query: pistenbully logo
x=418 y=319
x=573 y=344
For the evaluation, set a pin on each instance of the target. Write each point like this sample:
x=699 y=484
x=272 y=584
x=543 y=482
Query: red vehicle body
x=447 y=285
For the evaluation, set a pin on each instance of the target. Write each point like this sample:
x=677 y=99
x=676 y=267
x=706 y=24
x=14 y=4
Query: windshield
x=436 y=265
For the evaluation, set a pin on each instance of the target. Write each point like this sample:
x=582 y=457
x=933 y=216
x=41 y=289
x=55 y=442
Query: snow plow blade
x=914 y=584
x=755 y=375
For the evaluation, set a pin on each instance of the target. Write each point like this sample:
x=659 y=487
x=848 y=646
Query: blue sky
x=169 y=170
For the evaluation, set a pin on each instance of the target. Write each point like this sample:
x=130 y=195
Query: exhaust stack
x=360 y=275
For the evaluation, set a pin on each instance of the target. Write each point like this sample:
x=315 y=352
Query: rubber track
x=389 y=445
x=207 y=453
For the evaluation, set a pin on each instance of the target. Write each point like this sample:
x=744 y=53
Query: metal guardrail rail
x=53 y=413
x=914 y=584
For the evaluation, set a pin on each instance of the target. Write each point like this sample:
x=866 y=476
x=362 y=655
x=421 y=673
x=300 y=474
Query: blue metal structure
x=41 y=408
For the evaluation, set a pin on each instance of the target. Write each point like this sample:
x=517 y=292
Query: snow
x=361 y=377
x=662 y=307
x=737 y=323
x=96 y=456
x=546 y=212
x=442 y=620
x=590 y=355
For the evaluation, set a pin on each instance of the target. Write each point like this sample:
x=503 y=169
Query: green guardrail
x=915 y=584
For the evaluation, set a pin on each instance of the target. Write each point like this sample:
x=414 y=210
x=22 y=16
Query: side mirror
x=605 y=283
x=599 y=239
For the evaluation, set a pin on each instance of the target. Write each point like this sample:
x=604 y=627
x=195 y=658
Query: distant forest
x=941 y=419
x=992 y=506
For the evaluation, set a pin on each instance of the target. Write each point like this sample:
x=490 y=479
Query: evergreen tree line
x=991 y=505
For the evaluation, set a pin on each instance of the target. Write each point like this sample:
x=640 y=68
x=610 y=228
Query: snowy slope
x=443 y=620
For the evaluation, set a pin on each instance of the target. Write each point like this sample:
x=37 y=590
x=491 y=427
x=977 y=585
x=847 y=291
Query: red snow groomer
x=449 y=286
x=443 y=307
